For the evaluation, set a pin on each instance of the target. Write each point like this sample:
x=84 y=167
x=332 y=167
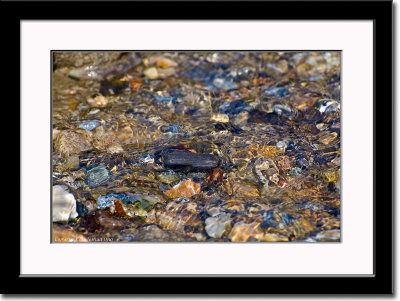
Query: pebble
x=282 y=144
x=213 y=211
x=153 y=199
x=69 y=142
x=183 y=158
x=200 y=73
x=180 y=215
x=152 y=233
x=146 y=159
x=98 y=101
x=64 y=204
x=283 y=163
x=218 y=225
x=168 y=177
x=295 y=171
x=219 y=117
x=63 y=234
x=279 y=92
x=224 y=83
x=113 y=87
x=106 y=201
x=171 y=128
x=234 y=107
x=242 y=232
x=162 y=61
x=275 y=218
x=100 y=221
x=329 y=235
x=328 y=138
x=99 y=71
x=282 y=110
x=151 y=73
x=89 y=125
x=115 y=149
x=96 y=176
x=274 y=237
x=184 y=189
x=241 y=188
x=166 y=99
x=72 y=162
x=325 y=106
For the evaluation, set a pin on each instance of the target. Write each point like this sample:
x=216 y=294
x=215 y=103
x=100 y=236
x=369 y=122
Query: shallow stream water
x=196 y=146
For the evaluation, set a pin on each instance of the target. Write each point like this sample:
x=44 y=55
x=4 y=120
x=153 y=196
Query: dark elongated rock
x=176 y=158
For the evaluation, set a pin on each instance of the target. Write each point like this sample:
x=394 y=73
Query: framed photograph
x=181 y=150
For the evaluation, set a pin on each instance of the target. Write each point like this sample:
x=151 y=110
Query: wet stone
x=216 y=226
x=70 y=142
x=168 y=177
x=106 y=201
x=234 y=107
x=184 y=189
x=97 y=175
x=242 y=232
x=166 y=99
x=151 y=233
x=185 y=159
x=64 y=204
x=224 y=82
x=278 y=92
x=282 y=144
x=329 y=235
x=171 y=128
x=72 y=162
x=241 y=188
x=66 y=234
x=295 y=171
x=113 y=87
x=89 y=125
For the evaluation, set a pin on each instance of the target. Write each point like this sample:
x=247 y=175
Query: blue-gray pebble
x=89 y=125
x=97 y=175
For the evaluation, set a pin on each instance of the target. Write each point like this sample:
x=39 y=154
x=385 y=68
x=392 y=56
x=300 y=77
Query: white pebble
x=64 y=204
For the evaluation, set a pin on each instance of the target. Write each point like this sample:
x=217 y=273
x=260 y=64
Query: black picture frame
x=378 y=11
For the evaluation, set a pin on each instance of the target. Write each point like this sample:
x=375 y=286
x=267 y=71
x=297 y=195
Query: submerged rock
x=181 y=216
x=242 y=232
x=100 y=71
x=241 y=188
x=218 y=225
x=329 y=235
x=106 y=201
x=89 y=125
x=185 y=189
x=64 y=204
x=70 y=142
x=176 y=158
x=66 y=234
x=97 y=175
